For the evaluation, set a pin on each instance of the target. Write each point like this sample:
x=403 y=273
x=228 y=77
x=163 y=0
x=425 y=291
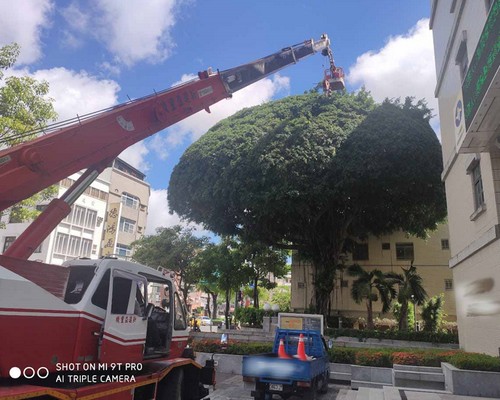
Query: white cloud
x=24 y=23
x=194 y=127
x=135 y=155
x=78 y=92
x=158 y=215
x=403 y=67
x=131 y=31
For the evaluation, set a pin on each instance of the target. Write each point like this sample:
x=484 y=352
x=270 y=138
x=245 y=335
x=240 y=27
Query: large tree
x=294 y=173
x=263 y=261
x=174 y=248
x=24 y=108
x=223 y=265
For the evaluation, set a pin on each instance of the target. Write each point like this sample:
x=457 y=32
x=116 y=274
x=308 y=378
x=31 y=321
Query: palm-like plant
x=371 y=286
x=410 y=289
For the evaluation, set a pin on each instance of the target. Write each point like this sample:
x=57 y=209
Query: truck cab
x=90 y=311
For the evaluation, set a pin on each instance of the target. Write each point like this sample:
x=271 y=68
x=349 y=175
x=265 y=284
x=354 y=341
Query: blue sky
x=96 y=53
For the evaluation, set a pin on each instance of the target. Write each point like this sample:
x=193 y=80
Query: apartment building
x=466 y=45
x=104 y=220
x=78 y=235
x=127 y=209
x=388 y=254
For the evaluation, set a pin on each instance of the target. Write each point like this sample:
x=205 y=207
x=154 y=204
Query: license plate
x=276 y=386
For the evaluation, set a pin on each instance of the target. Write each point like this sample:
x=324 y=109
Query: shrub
x=432 y=313
x=374 y=358
x=475 y=361
x=250 y=316
x=342 y=355
x=233 y=347
x=433 y=337
x=407 y=358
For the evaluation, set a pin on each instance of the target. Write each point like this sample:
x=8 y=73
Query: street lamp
x=414 y=313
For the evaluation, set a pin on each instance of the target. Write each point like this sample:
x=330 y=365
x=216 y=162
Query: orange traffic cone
x=301 y=349
x=281 y=350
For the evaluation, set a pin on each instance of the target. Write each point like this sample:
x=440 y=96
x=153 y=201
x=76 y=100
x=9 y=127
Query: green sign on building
x=483 y=66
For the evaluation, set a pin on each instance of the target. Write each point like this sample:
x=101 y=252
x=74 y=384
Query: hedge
x=381 y=357
x=438 y=337
x=232 y=347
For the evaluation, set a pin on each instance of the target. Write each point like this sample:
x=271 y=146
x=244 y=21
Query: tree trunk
x=214 y=304
x=369 y=309
x=228 y=293
x=323 y=287
x=255 y=293
x=403 y=317
x=208 y=307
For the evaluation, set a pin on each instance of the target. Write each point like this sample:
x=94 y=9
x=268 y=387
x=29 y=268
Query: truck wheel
x=171 y=386
x=324 y=386
x=312 y=393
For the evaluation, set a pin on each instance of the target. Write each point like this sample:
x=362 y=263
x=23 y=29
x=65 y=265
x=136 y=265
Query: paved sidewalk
x=232 y=387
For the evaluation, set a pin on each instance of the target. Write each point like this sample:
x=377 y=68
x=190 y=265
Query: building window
x=360 y=251
x=448 y=284
x=404 y=251
x=7 y=242
x=386 y=246
x=127 y=225
x=477 y=184
x=344 y=283
x=445 y=244
x=123 y=250
x=462 y=59
x=129 y=200
x=300 y=285
x=81 y=216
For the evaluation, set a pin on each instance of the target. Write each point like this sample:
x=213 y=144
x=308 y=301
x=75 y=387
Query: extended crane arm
x=93 y=142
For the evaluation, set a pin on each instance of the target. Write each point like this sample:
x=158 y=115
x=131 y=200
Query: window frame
x=405 y=246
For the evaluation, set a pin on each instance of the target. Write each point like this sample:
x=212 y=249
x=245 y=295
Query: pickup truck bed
x=289 y=376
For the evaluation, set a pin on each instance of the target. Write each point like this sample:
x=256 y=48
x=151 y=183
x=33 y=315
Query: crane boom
x=94 y=142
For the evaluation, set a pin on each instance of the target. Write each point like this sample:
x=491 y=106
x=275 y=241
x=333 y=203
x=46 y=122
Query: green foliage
x=250 y=316
x=432 y=313
x=371 y=286
x=262 y=261
x=342 y=355
x=233 y=347
x=223 y=266
x=411 y=291
x=437 y=337
x=282 y=296
x=376 y=357
x=386 y=357
x=476 y=362
x=24 y=107
x=173 y=248
x=410 y=315
x=307 y=172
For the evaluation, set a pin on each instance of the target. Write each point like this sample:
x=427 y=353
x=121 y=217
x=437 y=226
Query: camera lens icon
x=28 y=372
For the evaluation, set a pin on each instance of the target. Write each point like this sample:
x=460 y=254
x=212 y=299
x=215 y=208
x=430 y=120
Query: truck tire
x=312 y=393
x=324 y=386
x=171 y=386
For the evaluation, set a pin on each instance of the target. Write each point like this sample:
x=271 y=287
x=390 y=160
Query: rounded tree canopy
x=389 y=168
x=263 y=170
x=314 y=170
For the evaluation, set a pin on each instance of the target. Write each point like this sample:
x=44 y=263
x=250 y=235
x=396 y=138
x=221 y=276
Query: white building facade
x=467 y=43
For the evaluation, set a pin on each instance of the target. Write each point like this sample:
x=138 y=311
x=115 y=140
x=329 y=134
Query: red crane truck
x=86 y=330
